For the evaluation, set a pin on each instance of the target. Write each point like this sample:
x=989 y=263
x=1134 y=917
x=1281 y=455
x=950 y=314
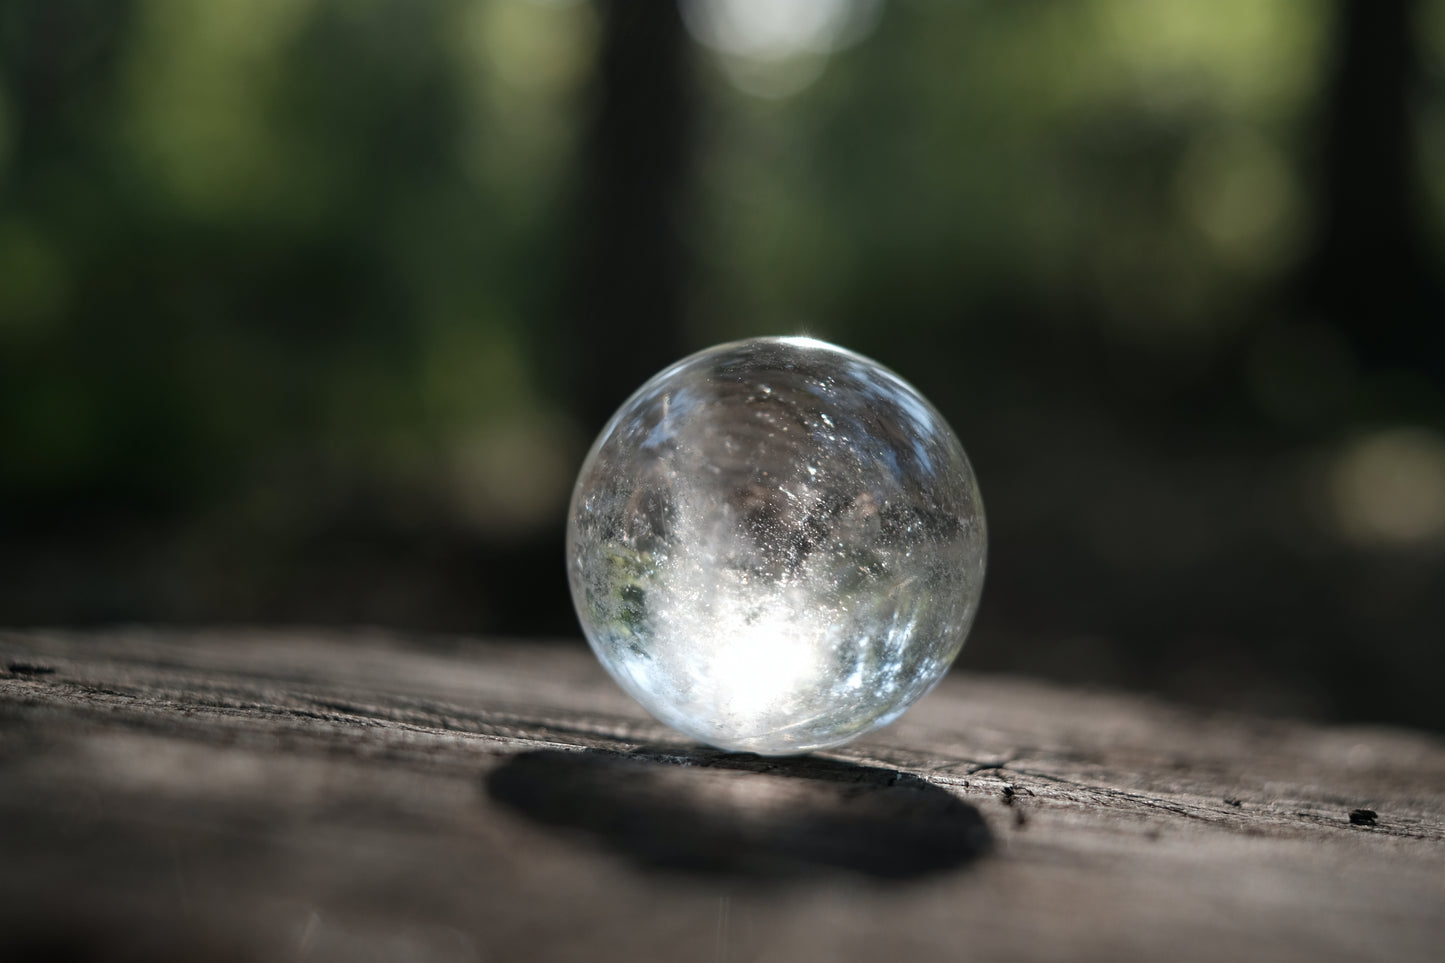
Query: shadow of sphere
x=741 y=815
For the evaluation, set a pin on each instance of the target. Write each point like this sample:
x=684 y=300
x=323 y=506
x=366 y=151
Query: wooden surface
x=258 y=795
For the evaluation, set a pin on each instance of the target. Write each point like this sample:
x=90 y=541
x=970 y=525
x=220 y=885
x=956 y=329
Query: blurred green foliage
x=278 y=272
x=238 y=234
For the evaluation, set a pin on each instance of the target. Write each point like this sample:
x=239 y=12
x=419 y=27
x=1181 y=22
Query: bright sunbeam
x=773 y=49
x=763 y=662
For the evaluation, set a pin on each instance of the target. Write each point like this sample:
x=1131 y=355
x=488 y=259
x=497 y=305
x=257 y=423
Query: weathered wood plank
x=303 y=795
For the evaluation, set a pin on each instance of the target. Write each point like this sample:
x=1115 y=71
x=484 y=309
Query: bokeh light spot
x=1388 y=488
x=776 y=50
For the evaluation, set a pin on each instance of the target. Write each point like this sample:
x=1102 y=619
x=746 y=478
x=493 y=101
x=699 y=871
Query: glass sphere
x=776 y=545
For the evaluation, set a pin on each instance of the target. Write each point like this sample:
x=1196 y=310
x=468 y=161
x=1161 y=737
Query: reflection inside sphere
x=776 y=545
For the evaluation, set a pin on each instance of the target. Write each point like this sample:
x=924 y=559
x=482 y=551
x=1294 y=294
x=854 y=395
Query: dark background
x=310 y=308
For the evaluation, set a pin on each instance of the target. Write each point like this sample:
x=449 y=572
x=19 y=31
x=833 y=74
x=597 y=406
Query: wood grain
x=273 y=795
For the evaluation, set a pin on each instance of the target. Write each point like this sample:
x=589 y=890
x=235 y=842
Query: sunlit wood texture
x=256 y=795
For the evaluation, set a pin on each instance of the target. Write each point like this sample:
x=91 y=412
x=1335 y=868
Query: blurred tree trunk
x=53 y=54
x=1369 y=274
x=626 y=292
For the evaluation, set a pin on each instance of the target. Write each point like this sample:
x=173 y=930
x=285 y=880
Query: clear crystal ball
x=776 y=545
